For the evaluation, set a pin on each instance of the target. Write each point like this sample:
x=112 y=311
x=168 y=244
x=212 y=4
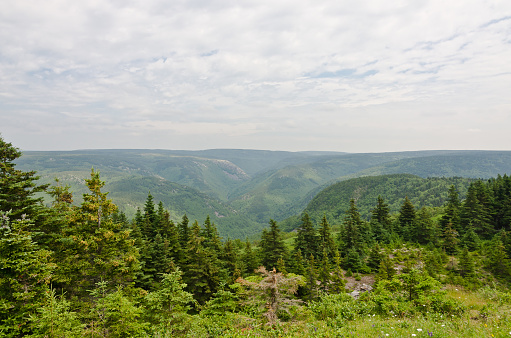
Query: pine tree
x=450 y=239
x=202 y=269
x=272 y=246
x=311 y=280
x=326 y=240
x=97 y=248
x=296 y=265
x=476 y=212
x=18 y=188
x=25 y=272
x=337 y=279
x=466 y=264
x=350 y=237
x=407 y=219
x=353 y=261
x=375 y=257
x=306 y=239
x=249 y=259
x=324 y=271
x=425 y=230
x=452 y=210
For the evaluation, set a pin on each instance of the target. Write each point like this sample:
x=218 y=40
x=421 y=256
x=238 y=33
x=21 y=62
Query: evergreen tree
x=450 y=239
x=311 y=285
x=230 y=259
x=211 y=237
x=425 y=230
x=476 y=213
x=337 y=278
x=470 y=240
x=25 y=272
x=324 y=271
x=350 y=237
x=306 y=239
x=466 y=264
x=498 y=261
x=375 y=257
x=353 y=261
x=296 y=265
x=272 y=246
x=326 y=240
x=96 y=248
x=249 y=259
x=183 y=231
x=407 y=219
x=18 y=188
x=202 y=270
x=452 y=210
x=386 y=269
x=380 y=224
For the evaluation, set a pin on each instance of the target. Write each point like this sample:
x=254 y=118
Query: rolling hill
x=246 y=187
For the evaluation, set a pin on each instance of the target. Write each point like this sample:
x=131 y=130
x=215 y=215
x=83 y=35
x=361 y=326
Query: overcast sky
x=355 y=76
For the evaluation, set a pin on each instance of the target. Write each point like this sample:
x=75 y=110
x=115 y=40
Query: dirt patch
x=352 y=284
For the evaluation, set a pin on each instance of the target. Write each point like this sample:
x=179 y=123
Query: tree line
x=86 y=270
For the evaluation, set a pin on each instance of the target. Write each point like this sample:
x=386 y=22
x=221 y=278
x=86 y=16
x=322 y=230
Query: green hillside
x=333 y=201
x=260 y=185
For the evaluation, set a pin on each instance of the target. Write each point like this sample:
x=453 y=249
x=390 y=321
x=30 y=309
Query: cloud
x=219 y=66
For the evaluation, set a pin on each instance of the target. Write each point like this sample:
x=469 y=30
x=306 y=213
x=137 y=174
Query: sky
x=352 y=76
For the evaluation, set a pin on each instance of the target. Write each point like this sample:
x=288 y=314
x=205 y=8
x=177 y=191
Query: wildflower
x=430 y=334
x=419 y=330
x=413 y=334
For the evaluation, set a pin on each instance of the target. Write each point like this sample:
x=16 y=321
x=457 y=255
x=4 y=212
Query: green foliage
x=96 y=248
x=54 y=319
x=272 y=246
x=25 y=272
x=167 y=308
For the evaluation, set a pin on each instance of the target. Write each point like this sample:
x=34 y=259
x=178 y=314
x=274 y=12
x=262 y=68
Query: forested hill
x=242 y=190
x=335 y=199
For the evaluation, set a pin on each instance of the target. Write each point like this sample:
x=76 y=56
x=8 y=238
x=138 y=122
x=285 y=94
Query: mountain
x=333 y=201
x=248 y=187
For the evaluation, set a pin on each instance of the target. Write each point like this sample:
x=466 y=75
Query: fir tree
x=466 y=264
x=324 y=271
x=326 y=240
x=306 y=239
x=97 y=248
x=311 y=280
x=452 y=209
x=337 y=279
x=18 y=188
x=25 y=272
x=407 y=219
x=296 y=264
x=272 y=246
x=350 y=237
x=249 y=259
x=202 y=269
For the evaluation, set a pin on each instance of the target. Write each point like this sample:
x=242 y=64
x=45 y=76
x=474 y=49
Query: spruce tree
x=407 y=219
x=325 y=239
x=350 y=237
x=202 y=270
x=272 y=246
x=337 y=278
x=452 y=210
x=306 y=239
x=249 y=259
x=18 y=188
x=324 y=271
x=97 y=248
x=25 y=272
x=311 y=284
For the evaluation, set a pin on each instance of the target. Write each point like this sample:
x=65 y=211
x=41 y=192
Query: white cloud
x=256 y=69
